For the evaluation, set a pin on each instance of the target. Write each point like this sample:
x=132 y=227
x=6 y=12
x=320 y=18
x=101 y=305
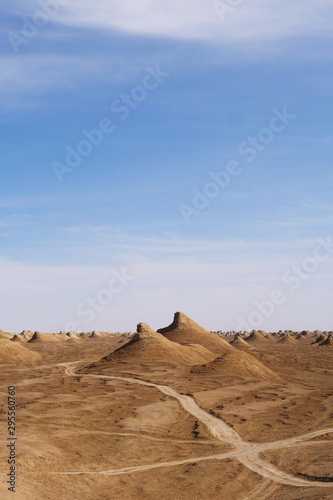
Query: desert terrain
x=178 y=413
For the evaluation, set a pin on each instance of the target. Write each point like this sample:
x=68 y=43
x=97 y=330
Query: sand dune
x=12 y=353
x=148 y=344
x=185 y=331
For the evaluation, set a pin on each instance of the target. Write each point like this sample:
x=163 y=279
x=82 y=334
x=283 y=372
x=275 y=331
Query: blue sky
x=120 y=207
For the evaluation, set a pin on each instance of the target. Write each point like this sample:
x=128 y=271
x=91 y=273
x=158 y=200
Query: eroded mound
x=237 y=363
x=256 y=338
x=43 y=337
x=328 y=342
x=13 y=352
x=185 y=331
x=287 y=339
x=18 y=338
x=147 y=344
x=73 y=335
x=320 y=339
x=239 y=343
x=5 y=335
x=27 y=334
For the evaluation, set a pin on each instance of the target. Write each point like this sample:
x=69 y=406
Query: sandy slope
x=12 y=353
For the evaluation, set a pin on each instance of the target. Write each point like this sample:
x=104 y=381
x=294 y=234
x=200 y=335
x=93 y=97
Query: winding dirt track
x=245 y=452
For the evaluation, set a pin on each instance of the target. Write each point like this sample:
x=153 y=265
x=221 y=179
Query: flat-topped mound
x=147 y=344
x=13 y=352
x=237 y=363
x=43 y=337
x=239 y=343
x=185 y=331
x=287 y=339
x=327 y=342
x=256 y=338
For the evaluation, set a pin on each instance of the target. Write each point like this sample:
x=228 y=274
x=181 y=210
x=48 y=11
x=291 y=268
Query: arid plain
x=181 y=413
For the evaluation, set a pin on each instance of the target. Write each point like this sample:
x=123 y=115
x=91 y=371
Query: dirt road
x=245 y=452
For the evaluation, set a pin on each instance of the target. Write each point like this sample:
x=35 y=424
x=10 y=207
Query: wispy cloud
x=253 y=21
x=31 y=74
x=254 y=27
x=115 y=238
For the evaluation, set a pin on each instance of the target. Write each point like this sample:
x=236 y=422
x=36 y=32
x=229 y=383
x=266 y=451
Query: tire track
x=245 y=452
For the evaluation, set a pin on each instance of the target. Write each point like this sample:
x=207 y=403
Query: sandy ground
x=143 y=429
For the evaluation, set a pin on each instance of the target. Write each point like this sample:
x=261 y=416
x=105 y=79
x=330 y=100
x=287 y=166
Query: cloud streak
x=253 y=21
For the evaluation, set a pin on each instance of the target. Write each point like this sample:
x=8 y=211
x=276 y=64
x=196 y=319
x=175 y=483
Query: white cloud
x=253 y=21
x=251 y=27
